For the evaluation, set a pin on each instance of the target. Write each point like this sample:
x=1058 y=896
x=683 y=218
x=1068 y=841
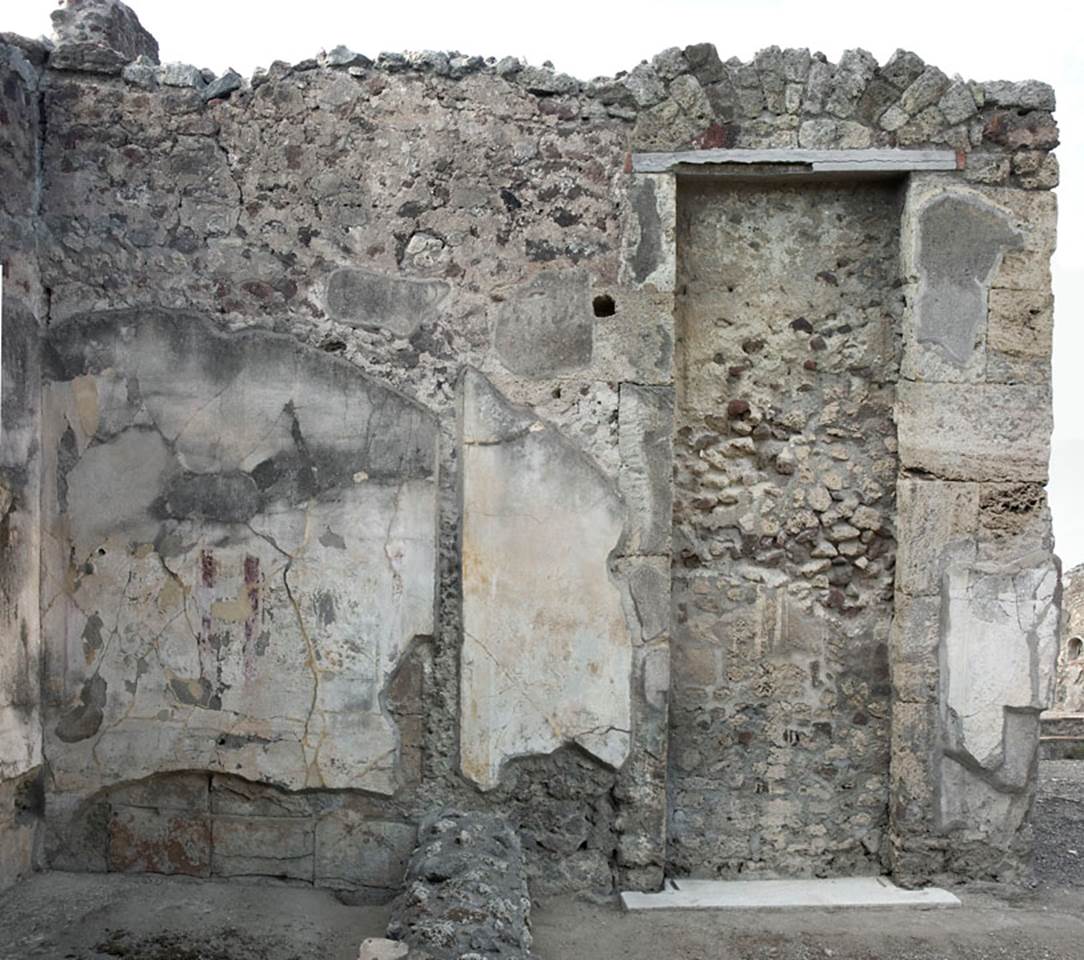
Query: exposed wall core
x=787 y=332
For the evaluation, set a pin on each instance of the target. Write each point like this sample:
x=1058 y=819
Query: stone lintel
x=800 y=161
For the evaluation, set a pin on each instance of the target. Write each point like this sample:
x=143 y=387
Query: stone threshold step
x=834 y=894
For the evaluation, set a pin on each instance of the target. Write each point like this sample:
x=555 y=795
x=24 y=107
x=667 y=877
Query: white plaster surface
x=216 y=622
x=1000 y=647
x=546 y=652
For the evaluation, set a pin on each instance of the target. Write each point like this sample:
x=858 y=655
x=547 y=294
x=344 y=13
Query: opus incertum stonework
x=658 y=462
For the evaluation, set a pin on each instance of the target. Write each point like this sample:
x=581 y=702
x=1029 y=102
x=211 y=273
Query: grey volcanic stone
x=141 y=72
x=365 y=299
x=345 y=57
x=223 y=86
x=1027 y=94
x=466 y=890
x=100 y=36
x=181 y=75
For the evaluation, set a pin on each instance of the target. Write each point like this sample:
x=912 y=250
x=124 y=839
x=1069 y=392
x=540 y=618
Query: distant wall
x=1069 y=697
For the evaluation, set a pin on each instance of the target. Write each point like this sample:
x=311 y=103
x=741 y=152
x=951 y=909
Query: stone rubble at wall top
x=689 y=96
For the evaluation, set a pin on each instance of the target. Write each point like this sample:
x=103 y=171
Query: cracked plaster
x=251 y=634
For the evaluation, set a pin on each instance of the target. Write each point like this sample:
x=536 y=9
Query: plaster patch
x=546 y=652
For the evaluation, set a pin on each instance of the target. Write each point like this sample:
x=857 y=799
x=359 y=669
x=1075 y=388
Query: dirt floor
x=73 y=916
x=94 y=917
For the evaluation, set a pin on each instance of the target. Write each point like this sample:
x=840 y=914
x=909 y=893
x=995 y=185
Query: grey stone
x=364 y=299
x=769 y=66
x=958 y=103
x=466 y=890
x=100 y=36
x=362 y=854
x=342 y=56
x=687 y=93
x=704 y=63
x=262 y=846
x=432 y=61
x=902 y=69
x=1035 y=170
x=462 y=66
x=181 y=75
x=723 y=98
x=925 y=91
x=937 y=524
x=545 y=82
x=644 y=85
x=392 y=62
x=141 y=72
x=855 y=70
x=824 y=132
x=221 y=88
x=1026 y=94
x=380 y=948
x=894 y=118
x=509 y=66
x=878 y=96
x=818 y=87
x=796 y=64
x=546 y=329
x=975 y=431
x=670 y=63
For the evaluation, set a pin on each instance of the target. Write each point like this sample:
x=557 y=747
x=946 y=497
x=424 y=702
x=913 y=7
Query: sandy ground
x=96 y=917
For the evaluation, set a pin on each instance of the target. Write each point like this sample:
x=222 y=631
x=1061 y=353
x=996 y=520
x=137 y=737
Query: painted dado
x=659 y=460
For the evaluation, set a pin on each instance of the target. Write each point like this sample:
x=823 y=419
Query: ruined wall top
x=682 y=98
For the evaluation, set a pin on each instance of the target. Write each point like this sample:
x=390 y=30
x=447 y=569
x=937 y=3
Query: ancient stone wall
x=406 y=225
x=20 y=635
x=358 y=458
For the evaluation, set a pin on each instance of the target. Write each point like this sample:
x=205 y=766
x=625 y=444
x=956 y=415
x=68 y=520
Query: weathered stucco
x=546 y=651
x=364 y=390
x=241 y=548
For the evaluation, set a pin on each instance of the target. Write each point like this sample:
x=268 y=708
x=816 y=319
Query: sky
x=995 y=40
